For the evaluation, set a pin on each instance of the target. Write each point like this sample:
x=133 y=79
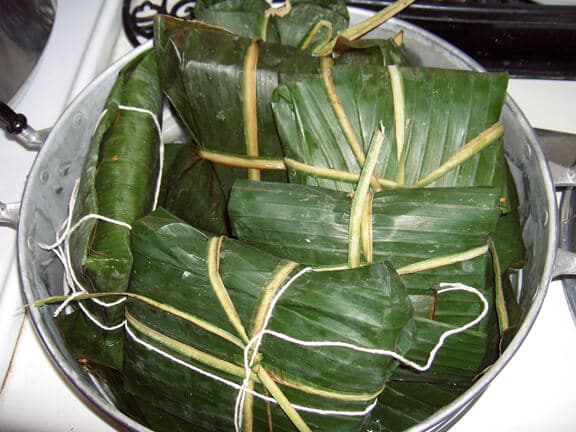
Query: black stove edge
x=525 y=39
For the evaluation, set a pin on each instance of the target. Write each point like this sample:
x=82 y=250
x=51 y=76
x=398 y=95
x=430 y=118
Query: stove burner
x=138 y=19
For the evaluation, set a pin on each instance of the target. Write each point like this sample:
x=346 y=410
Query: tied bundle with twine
x=251 y=340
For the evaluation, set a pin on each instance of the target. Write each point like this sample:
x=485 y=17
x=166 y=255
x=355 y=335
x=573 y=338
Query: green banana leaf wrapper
x=119 y=182
x=310 y=225
x=367 y=307
x=250 y=19
x=127 y=170
x=437 y=112
x=405 y=404
x=202 y=66
x=192 y=191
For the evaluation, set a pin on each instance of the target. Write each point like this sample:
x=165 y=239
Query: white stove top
x=534 y=392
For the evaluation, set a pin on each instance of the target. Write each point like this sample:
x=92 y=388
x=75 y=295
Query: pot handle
x=17 y=124
x=9 y=213
x=560 y=151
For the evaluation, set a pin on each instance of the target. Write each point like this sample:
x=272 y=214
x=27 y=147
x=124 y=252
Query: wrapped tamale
x=120 y=183
x=221 y=85
x=310 y=224
x=126 y=177
x=430 y=235
x=440 y=126
x=192 y=365
x=302 y=23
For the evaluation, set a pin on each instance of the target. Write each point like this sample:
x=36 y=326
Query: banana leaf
x=202 y=66
x=310 y=23
x=293 y=25
x=376 y=52
x=127 y=173
x=404 y=405
x=514 y=311
x=245 y=18
x=119 y=182
x=171 y=151
x=367 y=306
x=192 y=192
x=508 y=235
x=428 y=115
x=310 y=224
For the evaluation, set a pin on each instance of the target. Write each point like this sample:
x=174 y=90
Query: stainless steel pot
x=59 y=164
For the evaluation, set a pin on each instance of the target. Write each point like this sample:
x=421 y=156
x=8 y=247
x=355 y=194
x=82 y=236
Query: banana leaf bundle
x=430 y=235
x=310 y=224
x=441 y=126
x=302 y=22
x=119 y=185
x=223 y=290
x=126 y=171
x=244 y=72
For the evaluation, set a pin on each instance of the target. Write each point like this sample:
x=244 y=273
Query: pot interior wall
x=59 y=164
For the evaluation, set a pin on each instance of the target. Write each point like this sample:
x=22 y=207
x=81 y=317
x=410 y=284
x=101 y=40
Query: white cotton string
x=160 y=148
x=236 y=386
x=255 y=342
x=66 y=302
x=61 y=248
x=98 y=323
x=446 y=287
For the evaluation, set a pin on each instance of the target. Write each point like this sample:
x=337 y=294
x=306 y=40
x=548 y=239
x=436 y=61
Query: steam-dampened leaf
x=508 y=235
x=377 y=52
x=318 y=21
x=405 y=404
x=127 y=174
x=245 y=18
x=171 y=151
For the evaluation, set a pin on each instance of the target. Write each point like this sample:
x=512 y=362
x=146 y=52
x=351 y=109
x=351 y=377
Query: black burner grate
x=138 y=16
x=528 y=40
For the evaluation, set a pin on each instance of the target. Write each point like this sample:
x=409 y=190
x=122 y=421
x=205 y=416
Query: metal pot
x=59 y=164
